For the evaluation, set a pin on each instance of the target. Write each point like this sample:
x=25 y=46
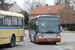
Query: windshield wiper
x=48 y=32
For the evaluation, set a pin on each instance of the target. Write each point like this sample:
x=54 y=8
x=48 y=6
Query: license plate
x=49 y=39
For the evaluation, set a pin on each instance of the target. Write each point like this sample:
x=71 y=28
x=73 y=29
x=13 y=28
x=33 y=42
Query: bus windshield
x=49 y=26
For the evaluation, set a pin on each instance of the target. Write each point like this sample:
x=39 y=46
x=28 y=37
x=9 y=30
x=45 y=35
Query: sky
x=21 y=2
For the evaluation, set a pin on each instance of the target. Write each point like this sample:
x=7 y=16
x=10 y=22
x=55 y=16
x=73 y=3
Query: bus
x=11 y=28
x=45 y=28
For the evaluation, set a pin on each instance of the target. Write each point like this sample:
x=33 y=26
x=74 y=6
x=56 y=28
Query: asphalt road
x=27 y=45
x=67 y=37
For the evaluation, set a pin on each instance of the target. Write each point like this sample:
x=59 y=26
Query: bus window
x=8 y=21
x=32 y=26
x=14 y=21
x=2 y=21
x=43 y=24
x=20 y=20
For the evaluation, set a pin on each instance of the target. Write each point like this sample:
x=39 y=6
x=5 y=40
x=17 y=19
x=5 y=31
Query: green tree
x=26 y=17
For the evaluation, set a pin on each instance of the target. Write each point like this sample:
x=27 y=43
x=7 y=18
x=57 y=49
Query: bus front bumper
x=49 y=40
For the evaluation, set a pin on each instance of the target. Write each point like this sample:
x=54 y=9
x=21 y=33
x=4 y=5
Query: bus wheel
x=13 y=41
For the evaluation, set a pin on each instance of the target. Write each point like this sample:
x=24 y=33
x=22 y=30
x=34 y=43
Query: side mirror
x=61 y=28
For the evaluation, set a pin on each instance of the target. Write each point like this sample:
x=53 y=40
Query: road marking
x=59 y=47
x=67 y=47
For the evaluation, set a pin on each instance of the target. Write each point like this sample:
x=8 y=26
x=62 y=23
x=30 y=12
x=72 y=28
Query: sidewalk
x=68 y=45
x=26 y=37
x=26 y=34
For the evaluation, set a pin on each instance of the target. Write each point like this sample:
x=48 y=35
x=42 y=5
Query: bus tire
x=13 y=41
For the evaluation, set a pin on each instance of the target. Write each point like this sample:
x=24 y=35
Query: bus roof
x=10 y=13
x=43 y=16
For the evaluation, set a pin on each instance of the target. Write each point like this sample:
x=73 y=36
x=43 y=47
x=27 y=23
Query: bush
x=26 y=26
x=71 y=28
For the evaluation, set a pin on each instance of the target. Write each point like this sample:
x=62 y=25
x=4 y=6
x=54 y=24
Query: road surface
x=27 y=45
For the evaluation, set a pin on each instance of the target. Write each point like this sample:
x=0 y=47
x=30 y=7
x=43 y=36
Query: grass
x=68 y=31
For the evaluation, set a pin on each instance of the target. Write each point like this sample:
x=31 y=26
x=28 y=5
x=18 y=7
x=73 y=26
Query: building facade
x=11 y=7
x=15 y=8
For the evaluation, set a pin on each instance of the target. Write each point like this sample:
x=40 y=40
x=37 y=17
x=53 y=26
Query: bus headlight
x=40 y=36
x=58 y=36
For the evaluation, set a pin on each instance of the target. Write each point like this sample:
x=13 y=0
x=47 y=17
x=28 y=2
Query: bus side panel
x=5 y=35
x=32 y=30
x=32 y=33
x=4 y=41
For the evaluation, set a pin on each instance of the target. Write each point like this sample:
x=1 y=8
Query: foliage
x=30 y=5
x=71 y=27
x=26 y=17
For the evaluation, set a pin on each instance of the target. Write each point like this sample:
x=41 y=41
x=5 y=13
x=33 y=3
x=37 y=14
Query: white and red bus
x=45 y=28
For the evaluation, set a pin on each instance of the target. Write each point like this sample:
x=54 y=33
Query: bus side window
x=32 y=25
x=8 y=21
x=2 y=21
x=20 y=21
x=15 y=21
